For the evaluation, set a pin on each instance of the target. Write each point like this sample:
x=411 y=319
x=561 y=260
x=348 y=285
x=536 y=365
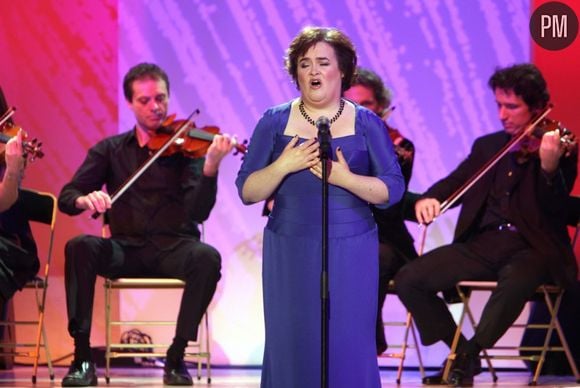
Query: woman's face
x=319 y=76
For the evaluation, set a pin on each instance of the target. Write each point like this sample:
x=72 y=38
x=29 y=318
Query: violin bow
x=129 y=182
x=7 y=115
x=446 y=205
x=500 y=154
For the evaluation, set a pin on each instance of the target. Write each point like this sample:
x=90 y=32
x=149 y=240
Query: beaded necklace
x=311 y=121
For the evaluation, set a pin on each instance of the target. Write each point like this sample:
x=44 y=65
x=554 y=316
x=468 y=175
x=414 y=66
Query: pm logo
x=554 y=26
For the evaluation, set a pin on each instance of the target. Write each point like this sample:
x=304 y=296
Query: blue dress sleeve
x=261 y=146
x=382 y=156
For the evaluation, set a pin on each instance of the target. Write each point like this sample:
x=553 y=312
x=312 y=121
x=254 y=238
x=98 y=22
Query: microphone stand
x=324 y=138
x=324 y=279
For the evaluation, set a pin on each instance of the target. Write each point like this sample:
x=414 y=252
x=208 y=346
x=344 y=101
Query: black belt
x=503 y=226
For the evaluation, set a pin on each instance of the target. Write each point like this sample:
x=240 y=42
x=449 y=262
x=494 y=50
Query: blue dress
x=292 y=259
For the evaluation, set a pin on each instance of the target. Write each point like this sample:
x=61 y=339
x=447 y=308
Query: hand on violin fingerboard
x=98 y=201
x=13 y=156
x=221 y=145
x=551 y=149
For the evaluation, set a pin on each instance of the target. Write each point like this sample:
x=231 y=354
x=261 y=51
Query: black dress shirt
x=506 y=177
x=168 y=200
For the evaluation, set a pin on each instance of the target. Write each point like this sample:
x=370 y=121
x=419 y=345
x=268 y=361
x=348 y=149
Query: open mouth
x=315 y=83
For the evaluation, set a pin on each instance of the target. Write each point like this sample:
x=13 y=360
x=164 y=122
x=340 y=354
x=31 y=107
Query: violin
x=535 y=129
x=404 y=154
x=174 y=136
x=32 y=149
x=530 y=145
x=194 y=142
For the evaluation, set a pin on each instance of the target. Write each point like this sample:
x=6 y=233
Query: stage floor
x=250 y=378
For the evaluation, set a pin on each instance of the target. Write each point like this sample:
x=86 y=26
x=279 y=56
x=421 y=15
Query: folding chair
x=552 y=296
x=409 y=327
x=39 y=207
x=197 y=350
x=408 y=210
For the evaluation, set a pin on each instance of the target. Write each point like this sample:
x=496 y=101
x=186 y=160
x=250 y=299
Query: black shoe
x=81 y=374
x=464 y=367
x=176 y=374
x=437 y=378
x=381 y=348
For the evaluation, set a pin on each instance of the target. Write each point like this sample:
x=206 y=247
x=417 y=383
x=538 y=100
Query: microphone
x=323 y=126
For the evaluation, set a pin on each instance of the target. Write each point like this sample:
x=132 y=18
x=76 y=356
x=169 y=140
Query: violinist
x=18 y=255
x=154 y=224
x=511 y=227
x=395 y=242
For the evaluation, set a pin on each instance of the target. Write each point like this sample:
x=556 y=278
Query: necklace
x=311 y=121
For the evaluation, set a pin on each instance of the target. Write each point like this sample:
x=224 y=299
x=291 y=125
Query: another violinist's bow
x=125 y=186
x=492 y=162
x=500 y=154
x=7 y=115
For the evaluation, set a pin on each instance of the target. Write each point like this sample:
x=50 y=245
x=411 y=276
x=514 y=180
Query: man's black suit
x=396 y=246
x=537 y=252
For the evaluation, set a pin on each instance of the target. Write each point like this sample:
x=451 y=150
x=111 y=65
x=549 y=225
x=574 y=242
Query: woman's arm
x=261 y=184
x=368 y=188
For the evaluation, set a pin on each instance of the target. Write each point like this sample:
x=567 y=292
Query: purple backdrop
x=226 y=58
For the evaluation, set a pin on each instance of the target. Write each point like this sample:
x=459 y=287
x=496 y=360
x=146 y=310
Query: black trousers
x=192 y=261
x=17 y=266
x=501 y=256
x=391 y=259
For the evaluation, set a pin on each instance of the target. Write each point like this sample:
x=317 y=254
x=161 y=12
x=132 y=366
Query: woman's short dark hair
x=526 y=81
x=142 y=71
x=308 y=37
x=371 y=80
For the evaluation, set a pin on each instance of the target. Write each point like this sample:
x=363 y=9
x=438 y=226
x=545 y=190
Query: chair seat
x=476 y=285
x=37 y=282
x=155 y=283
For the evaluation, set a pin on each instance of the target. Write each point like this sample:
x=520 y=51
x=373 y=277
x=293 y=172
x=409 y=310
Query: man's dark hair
x=526 y=81
x=371 y=80
x=142 y=71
